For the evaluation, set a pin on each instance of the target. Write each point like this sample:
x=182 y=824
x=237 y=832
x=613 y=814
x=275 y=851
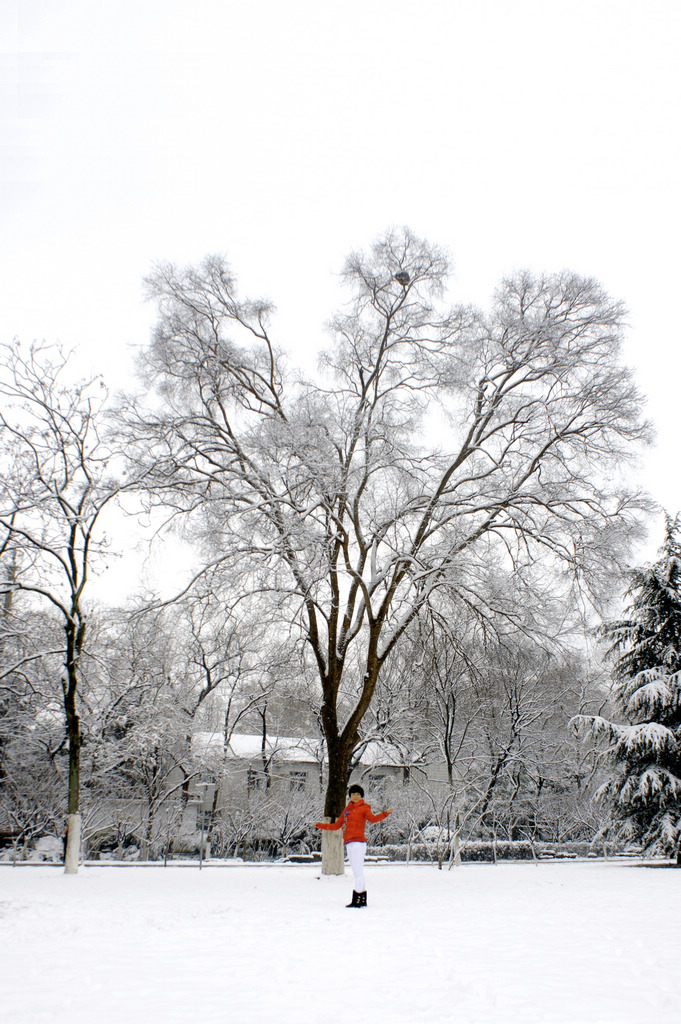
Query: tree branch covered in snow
x=439 y=438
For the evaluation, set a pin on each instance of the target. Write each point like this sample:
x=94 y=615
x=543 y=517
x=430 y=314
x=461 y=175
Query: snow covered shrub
x=400 y=851
x=185 y=846
x=111 y=843
x=474 y=850
x=504 y=849
x=48 y=848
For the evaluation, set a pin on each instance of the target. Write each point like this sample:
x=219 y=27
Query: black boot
x=362 y=899
x=355 y=900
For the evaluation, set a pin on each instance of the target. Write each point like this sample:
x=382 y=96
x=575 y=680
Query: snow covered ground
x=563 y=943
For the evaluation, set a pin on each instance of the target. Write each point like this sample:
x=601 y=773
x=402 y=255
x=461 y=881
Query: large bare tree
x=434 y=440
x=57 y=482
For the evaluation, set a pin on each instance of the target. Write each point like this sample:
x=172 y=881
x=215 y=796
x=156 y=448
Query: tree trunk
x=74 y=641
x=333 y=852
x=73 y=818
x=73 y=729
x=456 y=848
x=8 y=599
x=72 y=845
x=263 y=749
x=148 y=830
x=336 y=800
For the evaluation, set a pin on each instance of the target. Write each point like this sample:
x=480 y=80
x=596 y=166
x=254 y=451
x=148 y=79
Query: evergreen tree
x=644 y=793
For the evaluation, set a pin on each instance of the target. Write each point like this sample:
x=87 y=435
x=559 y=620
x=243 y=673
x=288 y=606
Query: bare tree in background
x=485 y=706
x=32 y=738
x=439 y=439
x=57 y=482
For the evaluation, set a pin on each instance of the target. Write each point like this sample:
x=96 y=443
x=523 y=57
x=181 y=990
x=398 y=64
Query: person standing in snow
x=352 y=821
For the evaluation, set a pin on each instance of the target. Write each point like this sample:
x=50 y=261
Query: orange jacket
x=352 y=821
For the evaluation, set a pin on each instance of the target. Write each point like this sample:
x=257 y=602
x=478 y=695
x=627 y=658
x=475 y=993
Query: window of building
x=297 y=781
x=255 y=780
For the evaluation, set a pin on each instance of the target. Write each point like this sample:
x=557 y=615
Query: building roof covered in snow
x=248 y=746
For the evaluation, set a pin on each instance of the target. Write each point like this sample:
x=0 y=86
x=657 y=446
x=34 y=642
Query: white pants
x=356 y=853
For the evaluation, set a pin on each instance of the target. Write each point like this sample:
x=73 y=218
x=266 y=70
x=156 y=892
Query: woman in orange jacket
x=352 y=821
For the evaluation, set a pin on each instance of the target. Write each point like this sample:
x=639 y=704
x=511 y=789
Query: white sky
x=516 y=133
